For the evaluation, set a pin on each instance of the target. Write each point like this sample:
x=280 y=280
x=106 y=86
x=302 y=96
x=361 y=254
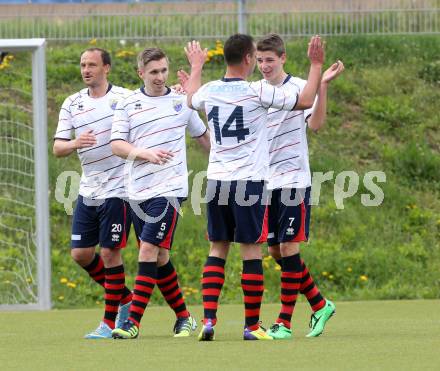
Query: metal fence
x=217 y=20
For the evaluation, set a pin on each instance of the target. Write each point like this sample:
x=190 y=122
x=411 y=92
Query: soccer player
x=149 y=128
x=101 y=215
x=290 y=180
x=239 y=158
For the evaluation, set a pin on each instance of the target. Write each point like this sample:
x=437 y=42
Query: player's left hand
x=178 y=88
x=183 y=79
x=332 y=72
x=315 y=50
x=195 y=54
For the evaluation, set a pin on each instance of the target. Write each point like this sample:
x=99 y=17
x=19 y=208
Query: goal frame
x=39 y=112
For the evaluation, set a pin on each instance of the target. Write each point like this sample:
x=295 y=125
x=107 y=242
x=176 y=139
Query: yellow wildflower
x=277 y=268
x=363 y=278
x=124 y=54
x=216 y=54
x=93 y=42
x=64 y=280
x=325 y=274
x=331 y=277
x=72 y=285
x=349 y=269
x=61 y=297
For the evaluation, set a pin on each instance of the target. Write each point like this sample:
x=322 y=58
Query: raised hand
x=178 y=88
x=86 y=139
x=183 y=79
x=332 y=72
x=315 y=50
x=195 y=54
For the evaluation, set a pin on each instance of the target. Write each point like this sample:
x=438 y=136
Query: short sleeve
x=198 y=98
x=272 y=97
x=196 y=127
x=65 y=124
x=121 y=123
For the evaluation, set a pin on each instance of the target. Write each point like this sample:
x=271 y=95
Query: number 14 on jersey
x=224 y=130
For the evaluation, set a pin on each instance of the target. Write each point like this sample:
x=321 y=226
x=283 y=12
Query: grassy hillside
x=383 y=116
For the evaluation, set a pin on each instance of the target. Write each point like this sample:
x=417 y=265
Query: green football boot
x=320 y=318
x=279 y=332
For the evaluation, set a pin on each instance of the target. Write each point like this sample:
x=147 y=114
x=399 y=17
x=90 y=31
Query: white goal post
x=38 y=234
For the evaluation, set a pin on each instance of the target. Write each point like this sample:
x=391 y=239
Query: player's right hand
x=86 y=139
x=315 y=50
x=195 y=54
x=157 y=156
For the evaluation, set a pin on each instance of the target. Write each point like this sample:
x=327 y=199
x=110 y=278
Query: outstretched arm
x=319 y=113
x=316 y=55
x=196 y=58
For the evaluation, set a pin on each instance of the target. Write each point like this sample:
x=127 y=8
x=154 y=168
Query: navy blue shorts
x=237 y=211
x=289 y=215
x=106 y=222
x=155 y=220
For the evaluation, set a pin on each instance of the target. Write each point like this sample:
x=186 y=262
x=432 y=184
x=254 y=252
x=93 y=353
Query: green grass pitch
x=374 y=335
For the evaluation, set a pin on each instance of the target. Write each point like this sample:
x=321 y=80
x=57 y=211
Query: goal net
x=24 y=211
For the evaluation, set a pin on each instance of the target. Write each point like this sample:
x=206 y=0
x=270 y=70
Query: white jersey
x=288 y=151
x=102 y=175
x=157 y=123
x=237 y=114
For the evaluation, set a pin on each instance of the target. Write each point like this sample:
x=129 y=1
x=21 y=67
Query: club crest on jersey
x=177 y=105
x=137 y=106
x=80 y=106
x=113 y=104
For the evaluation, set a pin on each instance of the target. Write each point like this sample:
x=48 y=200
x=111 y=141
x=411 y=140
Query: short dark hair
x=150 y=54
x=272 y=43
x=105 y=55
x=237 y=47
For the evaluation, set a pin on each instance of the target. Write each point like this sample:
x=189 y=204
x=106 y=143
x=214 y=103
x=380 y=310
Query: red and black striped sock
x=213 y=279
x=169 y=287
x=143 y=288
x=252 y=283
x=126 y=295
x=290 y=282
x=310 y=290
x=96 y=271
x=114 y=287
